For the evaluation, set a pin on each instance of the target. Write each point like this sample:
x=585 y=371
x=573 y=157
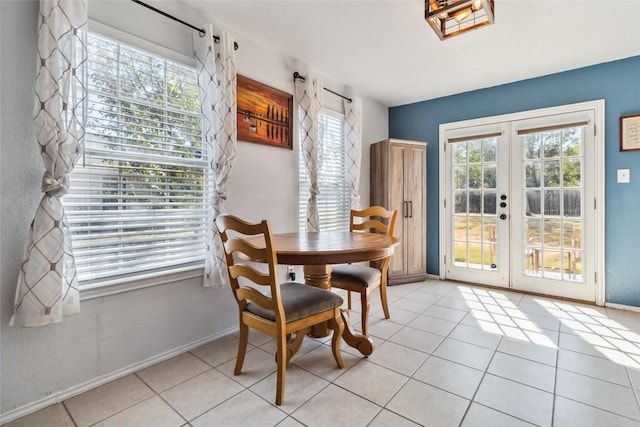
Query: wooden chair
x=575 y=253
x=279 y=310
x=490 y=238
x=532 y=255
x=364 y=279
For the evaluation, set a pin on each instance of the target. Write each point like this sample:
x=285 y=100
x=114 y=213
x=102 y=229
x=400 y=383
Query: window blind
x=334 y=200
x=137 y=197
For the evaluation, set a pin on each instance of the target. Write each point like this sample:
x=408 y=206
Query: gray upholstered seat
x=261 y=296
x=299 y=301
x=360 y=278
x=360 y=274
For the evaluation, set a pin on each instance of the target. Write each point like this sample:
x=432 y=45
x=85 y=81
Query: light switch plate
x=623 y=176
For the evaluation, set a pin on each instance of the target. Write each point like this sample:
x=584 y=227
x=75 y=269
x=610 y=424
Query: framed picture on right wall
x=630 y=133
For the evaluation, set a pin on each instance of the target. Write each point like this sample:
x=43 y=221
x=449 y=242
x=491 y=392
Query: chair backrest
x=576 y=237
x=373 y=219
x=240 y=255
x=490 y=233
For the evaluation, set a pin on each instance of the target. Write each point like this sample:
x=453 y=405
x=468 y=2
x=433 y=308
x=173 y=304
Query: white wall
x=115 y=332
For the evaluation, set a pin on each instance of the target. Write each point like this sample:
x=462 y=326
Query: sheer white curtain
x=353 y=133
x=308 y=94
x=47 y=289
x=216 y=71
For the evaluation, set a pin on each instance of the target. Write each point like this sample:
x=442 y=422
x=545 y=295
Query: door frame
x=598 y=108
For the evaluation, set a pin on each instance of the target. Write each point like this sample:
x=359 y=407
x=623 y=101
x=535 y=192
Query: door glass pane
x=532 y=174
x=460 y=202
x=489 y=176
x=475 y=176
x=571 y=173
x=552 y=173
x=552 y=202
x=489 y=239
x=490 y=199
x=489 y=150
x=552 y=168
x=531 y=145
x=475 y=203
x=460 y=227
x=551 y=143
x=532 y=245
x=460 y=177
x=460 y=253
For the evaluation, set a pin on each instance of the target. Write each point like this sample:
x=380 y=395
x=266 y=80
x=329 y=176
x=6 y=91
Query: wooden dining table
x=318 y=251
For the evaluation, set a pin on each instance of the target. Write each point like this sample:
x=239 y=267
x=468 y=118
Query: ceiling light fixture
x=449 y=18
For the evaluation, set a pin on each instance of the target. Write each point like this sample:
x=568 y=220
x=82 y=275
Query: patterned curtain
x=353 y=131
x=308 y=95
x=217 y=90
x=47 y=287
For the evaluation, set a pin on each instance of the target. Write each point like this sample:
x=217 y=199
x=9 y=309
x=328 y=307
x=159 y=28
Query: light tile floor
x=451 y=355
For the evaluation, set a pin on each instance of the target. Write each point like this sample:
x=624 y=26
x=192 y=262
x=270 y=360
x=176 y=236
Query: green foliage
x=144 y=115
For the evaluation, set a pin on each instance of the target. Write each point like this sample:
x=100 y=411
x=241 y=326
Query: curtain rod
x=296 y=76
x=201 y=31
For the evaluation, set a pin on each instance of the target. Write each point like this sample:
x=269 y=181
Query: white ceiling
x=386 y=50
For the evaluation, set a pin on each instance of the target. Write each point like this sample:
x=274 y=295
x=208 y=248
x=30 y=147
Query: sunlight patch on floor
x=610 y=338
x=495 y=313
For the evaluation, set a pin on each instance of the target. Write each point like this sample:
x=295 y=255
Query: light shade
x=449 y=18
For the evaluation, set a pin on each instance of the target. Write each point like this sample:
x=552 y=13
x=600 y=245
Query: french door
x=519 y=205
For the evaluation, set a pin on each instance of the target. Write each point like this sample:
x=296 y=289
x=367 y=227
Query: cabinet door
x=397 y=154
x=416 y=236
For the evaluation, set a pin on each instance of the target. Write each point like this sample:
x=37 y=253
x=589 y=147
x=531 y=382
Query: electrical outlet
x=624 y=176
x=291 y=273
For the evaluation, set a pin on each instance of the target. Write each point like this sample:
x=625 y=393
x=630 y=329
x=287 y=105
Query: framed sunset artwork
x=264 y=114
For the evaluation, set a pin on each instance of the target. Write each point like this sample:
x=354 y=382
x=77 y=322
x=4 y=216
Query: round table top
x=331 y=247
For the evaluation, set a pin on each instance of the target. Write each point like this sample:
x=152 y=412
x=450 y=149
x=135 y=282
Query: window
x=334 y=200
x=137 y=199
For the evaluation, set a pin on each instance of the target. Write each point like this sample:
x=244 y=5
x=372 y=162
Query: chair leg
x=364 y=302
x=242 y=348
x=338 y=328
x=383 y=297
x=281 y=360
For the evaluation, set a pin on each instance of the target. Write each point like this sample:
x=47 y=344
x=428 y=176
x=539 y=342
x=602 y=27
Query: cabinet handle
x=406 y=209
x=410 y=208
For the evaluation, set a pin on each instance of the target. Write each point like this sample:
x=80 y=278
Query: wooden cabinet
x=398 y=181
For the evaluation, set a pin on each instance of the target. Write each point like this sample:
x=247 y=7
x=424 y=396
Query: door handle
x=406 y=209
x=410 y=208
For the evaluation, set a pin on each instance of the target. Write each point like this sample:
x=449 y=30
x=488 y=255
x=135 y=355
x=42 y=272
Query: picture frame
x=264 y=114
x=630 y=133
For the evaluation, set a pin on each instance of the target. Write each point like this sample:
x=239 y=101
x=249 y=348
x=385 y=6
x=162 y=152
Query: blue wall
x=618 y=83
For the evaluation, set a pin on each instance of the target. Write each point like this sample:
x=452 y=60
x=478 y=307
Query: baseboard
x=411 y=278
x=103 y=379
x=622 y=307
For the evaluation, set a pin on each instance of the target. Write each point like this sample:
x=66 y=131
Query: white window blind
x=137 y=198
x=334 y=201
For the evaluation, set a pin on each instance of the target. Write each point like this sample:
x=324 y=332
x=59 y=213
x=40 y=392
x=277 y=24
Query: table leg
x=320 y=277
x=362 y=343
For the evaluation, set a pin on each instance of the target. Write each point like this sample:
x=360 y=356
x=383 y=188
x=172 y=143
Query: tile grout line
x=555 y=381
x=69 y=413
x=633 y=388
